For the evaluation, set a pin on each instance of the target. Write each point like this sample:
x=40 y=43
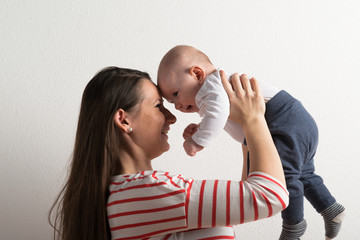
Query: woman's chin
x=167 y=147
x=164 y=149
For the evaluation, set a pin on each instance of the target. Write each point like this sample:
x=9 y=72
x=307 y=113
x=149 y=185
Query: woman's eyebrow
x=156 y=100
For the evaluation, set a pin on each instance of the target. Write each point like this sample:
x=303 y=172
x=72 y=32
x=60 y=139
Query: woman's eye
x=158 y=105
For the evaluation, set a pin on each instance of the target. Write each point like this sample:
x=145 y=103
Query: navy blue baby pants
x=295 y=135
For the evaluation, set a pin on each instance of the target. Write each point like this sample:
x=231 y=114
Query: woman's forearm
x=245 y=163
x=247 y=108
x=263 y=154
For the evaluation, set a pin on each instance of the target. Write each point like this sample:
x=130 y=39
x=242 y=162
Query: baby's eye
x=175 y=94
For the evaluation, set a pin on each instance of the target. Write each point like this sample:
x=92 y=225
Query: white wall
x=50 y=50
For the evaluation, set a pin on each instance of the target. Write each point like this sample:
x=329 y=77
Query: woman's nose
x=169 y=117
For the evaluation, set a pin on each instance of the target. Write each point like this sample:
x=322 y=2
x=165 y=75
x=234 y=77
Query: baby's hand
x=191 y=147
x=190 y=130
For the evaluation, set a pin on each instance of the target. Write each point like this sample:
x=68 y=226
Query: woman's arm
x=262 y=193
x=245 y=165
x=247 y=107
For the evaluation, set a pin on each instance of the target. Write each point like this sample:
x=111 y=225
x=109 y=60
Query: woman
x=113 y=192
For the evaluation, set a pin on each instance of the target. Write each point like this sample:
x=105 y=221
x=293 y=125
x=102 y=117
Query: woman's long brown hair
x=79 y=212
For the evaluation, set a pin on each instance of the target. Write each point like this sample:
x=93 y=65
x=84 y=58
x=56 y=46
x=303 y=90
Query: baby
x=188 y=79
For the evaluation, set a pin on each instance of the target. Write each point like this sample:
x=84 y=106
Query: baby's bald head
x=182 y=71
x=181 y=58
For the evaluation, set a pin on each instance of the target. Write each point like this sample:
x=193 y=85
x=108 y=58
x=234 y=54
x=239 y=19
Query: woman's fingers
x=235 y=82
x=255 y=86
x=240 y=85
x=245 y=83
x=227 y=86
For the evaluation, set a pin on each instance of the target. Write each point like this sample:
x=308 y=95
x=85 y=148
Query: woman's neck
x=133 y=161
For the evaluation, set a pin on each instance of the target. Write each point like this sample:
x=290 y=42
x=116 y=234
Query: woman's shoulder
x=149 y=178
x=142 y=205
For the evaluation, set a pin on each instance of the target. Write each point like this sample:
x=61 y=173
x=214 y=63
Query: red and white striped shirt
x=159 y=205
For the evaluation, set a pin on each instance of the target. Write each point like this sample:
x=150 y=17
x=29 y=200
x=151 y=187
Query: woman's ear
x=122 y=121
x=198 y=72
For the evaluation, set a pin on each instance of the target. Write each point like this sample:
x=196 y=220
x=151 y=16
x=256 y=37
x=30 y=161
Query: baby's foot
x=293 y=232
x=333 y=217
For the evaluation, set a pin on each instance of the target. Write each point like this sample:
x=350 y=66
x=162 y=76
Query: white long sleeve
x=214 y=108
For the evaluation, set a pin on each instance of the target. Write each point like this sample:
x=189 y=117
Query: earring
x=129 y=129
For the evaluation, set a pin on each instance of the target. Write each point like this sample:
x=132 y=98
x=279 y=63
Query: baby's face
x=180 y=89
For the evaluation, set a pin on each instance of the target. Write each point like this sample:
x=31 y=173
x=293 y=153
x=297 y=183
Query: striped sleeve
x=149 y=204
x=214 y=203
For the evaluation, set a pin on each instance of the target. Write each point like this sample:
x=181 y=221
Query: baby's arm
x=190 y=130
x=190 y=146
x=215 y=107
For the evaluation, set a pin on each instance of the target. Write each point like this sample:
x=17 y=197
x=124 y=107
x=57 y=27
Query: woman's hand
x=246 y=101
x=247 y=107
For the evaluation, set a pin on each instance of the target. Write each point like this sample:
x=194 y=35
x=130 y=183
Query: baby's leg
x=288 y=124
x=314 y=188
x=321 y=199
x=294 y=224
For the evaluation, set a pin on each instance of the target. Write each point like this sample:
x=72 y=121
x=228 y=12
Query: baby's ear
x=198 y=72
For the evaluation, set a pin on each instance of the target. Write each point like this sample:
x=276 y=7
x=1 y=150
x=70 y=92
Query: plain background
x=51 y=49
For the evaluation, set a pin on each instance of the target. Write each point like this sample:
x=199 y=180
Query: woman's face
x=152 y=122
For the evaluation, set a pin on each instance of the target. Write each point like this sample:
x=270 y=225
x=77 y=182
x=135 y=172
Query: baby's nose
x=178 y=106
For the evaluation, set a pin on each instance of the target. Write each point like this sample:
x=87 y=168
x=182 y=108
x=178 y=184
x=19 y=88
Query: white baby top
x=214 y=107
